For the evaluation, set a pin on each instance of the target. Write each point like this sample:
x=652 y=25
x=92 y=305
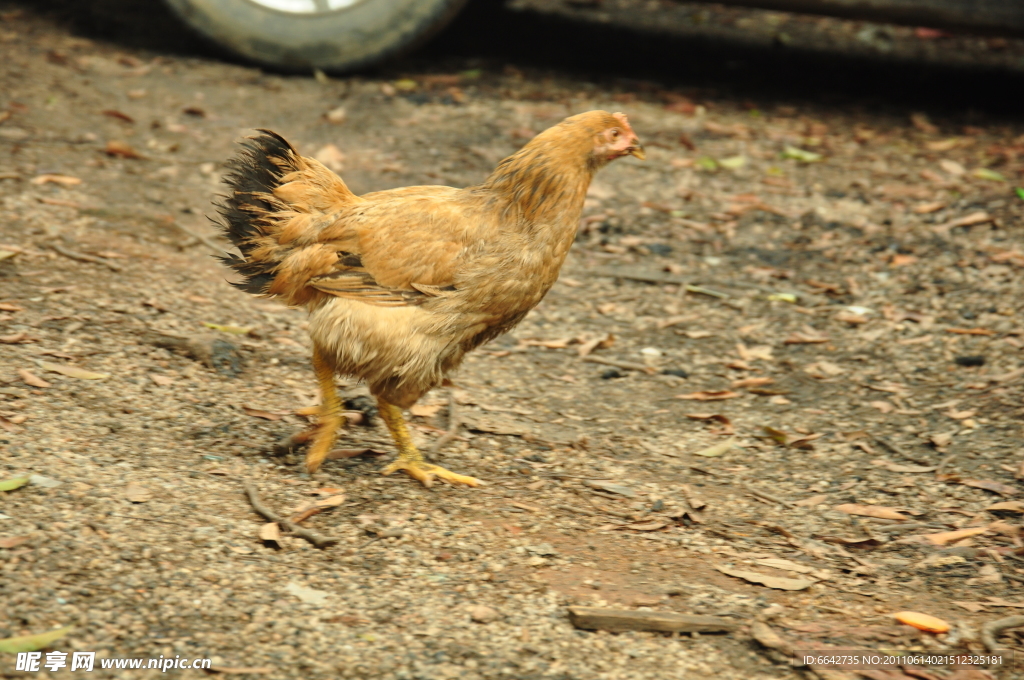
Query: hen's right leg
x=330 y=413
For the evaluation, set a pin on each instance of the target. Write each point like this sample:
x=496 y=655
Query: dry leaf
x=709 y=395
x=806 y=338
x=10 y=307
x=752 y=382
x=30 y=643
x=646 y=526
x=923 y=622
x=330 y=501
x=32 y=379
x=1007 y=506
x=12 y=541
x=121 y=150
x=823 y=369
x=161 y=380
x=425 y=410
x=763 y=352
x=942 y=439
x=944 y=537
x=812 y=501
x=597 y=343
x=63 y=180
x=765 y=580
x=73 y=371
x=260 y=413
x=1000 y=602
x=898 y=467
x=717 y=449
x=878 y=511
x=136 y=493
x=716 y=417
x=785 y=565
x=883 y=406
x=331 y=156
x=270 y=532
x=973 y=607
x=994 y=487
x=610 y=487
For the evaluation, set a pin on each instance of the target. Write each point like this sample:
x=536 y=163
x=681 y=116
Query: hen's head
x=616 y=139
x=599 y=135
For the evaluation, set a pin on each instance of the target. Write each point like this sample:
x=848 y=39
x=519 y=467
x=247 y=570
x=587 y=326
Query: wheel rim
x=306 y=6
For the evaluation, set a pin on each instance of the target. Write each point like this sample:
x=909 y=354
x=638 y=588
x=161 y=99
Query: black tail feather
x=255 y=172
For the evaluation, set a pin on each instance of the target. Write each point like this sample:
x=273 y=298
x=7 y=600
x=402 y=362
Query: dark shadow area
x=488 y=31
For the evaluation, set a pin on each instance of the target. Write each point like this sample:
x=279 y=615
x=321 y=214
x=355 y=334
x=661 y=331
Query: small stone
x=481 y=613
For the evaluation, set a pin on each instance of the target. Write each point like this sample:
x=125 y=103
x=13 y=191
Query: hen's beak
x=637 y=149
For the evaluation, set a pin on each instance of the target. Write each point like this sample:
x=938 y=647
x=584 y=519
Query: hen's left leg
x=410 y=460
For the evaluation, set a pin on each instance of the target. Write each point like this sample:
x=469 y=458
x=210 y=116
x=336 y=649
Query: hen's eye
x=615 y=134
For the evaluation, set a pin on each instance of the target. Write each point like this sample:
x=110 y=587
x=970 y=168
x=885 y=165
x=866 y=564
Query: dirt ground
x=788 y=343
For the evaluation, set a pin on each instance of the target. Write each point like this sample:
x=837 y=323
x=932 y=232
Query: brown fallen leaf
x=161 y=380
x=121 y=150
x=260 y=413
x=12 y=541
x=17 y=339
x=710 y=395
x=73 y=371
x=878 y=511
x=645 y=526
x=805 y=338
x=812 y=501
x=31 y=379
x=973 y=607
x=717 y=417
x=717 y=449
x=136 y=493
x=124 y=117
x=560 y=343
x=62 y=180
x=10 y=307
x=752 y=382
x=994 y=487
x=1007 y=506
x=588 y=346
x=925 y=622
x=899 y=467
x=270 y=532
x=944 y=537
x=425 y=410
x=776 y=582
x=330 y=501
x=970 y=331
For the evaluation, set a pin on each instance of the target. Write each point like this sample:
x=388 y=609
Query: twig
x=82 y=257
x=149 y=519
x=453 y=427
x=993 y=628
x=884 y=443
x=205 y=240
x=629 y=366
x=762 y=494
x=316 y=539
x=578 y=511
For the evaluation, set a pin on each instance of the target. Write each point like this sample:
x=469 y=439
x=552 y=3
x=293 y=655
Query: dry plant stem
x=200 y=238
x=990 y=630
x=629 y=366
x=762 y=494
x=254 y=499
x=453 y=427
x=82 y=257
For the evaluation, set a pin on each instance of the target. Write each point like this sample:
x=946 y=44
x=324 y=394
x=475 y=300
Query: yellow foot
x=426 y=473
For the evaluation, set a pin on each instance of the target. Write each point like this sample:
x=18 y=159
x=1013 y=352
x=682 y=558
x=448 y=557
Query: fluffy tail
x=278 y=203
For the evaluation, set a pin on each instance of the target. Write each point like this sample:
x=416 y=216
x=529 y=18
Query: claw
x=425 y=473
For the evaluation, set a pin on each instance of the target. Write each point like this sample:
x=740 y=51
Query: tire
x=342 y=39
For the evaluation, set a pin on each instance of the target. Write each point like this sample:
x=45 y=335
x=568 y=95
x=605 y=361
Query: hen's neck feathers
x=544 y=184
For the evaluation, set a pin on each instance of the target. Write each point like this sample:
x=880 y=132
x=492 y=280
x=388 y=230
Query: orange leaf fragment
x=878 y=511
x=925 y=622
